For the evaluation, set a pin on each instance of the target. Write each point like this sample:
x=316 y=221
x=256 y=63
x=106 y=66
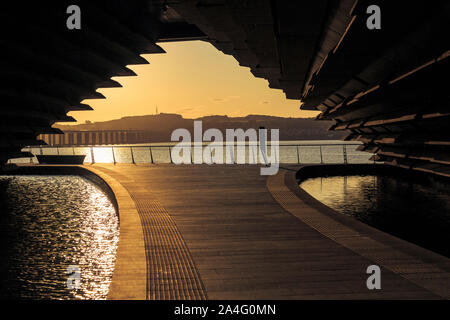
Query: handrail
x=192 y=145
x=133 y=148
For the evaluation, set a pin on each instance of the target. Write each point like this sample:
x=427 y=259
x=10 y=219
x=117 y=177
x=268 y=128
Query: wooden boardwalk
x=226 y=232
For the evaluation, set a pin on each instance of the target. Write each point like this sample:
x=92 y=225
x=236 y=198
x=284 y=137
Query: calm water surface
x=48 y=223
x=407 y=209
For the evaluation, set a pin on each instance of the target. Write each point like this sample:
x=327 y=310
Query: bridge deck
x=226 y=232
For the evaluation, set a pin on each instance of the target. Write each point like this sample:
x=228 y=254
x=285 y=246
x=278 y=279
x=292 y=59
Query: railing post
x=274 y=155
x=232 y=153
x=113 y=155
x=321 y=158
x=344 y=149
x=210 y=154
x=298 y=155
x=57 y=150
x=132 y=156
x=252 y=152
x=151 y=155
x=73 y=150
x=264 y=154
x=92 y=155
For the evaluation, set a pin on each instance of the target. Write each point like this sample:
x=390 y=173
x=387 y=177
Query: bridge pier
x=95 y=137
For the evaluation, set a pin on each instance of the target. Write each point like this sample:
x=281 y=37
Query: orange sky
x=193 y=79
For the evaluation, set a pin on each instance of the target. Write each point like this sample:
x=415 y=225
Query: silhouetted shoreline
x=161 y=126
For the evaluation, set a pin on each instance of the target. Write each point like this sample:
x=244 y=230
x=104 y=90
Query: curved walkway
x=169 y=270
x=419 y=266
x=225 y=232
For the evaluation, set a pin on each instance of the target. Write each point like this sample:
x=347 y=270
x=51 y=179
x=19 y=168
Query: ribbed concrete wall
x=384 y=86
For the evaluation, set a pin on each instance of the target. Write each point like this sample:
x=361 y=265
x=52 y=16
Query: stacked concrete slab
x=387 y=87
x=48 y=69
x=384 y=85
x=275 y=39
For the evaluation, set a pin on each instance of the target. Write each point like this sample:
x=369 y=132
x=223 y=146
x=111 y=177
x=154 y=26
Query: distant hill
x=161 y=126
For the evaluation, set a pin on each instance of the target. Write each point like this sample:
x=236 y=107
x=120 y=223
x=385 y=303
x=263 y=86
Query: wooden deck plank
x=246 y=245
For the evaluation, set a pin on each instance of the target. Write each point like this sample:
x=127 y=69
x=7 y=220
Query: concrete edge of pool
x=416 y=264
x=129 y=281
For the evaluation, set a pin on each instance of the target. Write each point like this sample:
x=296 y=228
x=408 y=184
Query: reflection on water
x=48 y=223
x=415 y=212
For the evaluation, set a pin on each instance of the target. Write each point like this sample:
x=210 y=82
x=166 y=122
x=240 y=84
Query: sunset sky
x=193 y=79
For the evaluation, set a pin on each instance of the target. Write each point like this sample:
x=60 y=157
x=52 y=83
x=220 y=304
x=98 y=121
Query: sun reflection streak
x=103 y=155
x=54 y=222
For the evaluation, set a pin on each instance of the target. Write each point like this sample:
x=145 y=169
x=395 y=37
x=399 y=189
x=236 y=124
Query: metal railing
x=288 y=153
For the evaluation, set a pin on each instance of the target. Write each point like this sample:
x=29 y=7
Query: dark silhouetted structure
x=96 y=137
x=385 y=86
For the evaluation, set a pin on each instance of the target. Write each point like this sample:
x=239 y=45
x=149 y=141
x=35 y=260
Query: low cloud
x=189 y=109
x=225 y=99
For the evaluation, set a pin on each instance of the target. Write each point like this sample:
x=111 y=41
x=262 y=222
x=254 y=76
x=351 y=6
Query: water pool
x=48 y=223
x=416 y=212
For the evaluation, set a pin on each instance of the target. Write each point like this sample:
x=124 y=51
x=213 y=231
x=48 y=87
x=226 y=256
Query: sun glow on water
x=49 y=223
